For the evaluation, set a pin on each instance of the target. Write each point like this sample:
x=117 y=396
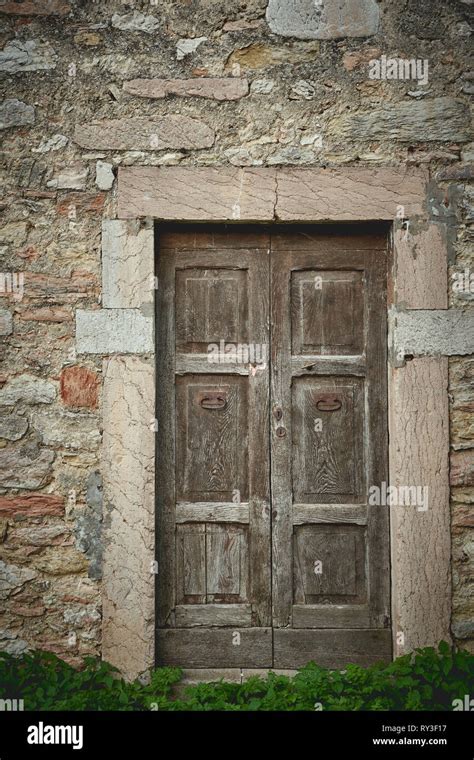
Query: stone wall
x=91 y=86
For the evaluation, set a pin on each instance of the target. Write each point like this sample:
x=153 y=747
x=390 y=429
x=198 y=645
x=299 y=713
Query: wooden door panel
x=213 y=521
x=329 y=564
x=327 y=420
x=317 y=296
x=211 y=305
x=211 y=443
x=329 y=443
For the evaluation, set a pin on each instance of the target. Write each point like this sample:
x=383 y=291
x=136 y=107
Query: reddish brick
x=73 y=204
x=31 y=504
x=79 y=387
x=47 y=314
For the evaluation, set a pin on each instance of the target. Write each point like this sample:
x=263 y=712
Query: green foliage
x=424 y=680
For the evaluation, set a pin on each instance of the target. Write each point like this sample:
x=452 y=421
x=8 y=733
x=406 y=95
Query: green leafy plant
x=427 y=679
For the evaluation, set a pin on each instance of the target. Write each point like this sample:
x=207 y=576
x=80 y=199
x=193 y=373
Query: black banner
x=74 y=734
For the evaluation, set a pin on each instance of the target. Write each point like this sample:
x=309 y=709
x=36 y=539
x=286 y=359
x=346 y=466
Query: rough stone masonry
x=88 y=87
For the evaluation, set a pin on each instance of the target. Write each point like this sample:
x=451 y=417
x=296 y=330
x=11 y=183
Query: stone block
x=15 y=113
x=114 y=331
x=173 y=131
x=127 y=264
x=323 y=19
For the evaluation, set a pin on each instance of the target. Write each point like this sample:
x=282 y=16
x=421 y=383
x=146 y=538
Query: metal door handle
x=328 y=403
x=213 y=401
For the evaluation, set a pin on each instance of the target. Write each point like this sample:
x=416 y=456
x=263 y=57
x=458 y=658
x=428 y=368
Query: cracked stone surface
x=436 y=119
x=127 y=264
x=268 y=194
x=71 y=430
x=185 y=47
x=128 y=470
x=420 y=541
x=104 y=175
x=6 y=322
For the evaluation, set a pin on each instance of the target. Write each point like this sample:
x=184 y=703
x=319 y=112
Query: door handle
x=328 y=403
x=213 y=400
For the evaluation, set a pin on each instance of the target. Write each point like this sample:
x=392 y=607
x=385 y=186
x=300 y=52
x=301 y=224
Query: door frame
x=122 y=332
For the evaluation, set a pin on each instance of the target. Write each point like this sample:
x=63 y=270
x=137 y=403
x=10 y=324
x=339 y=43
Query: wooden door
x=328 y=446
x=213 y=508
x=268 y=553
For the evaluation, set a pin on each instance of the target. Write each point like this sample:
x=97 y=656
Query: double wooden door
x=271 y=398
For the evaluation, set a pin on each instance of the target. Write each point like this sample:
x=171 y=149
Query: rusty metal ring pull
x=213 y=401
x=328 y=403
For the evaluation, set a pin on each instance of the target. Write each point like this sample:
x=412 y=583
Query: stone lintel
x=222 y=194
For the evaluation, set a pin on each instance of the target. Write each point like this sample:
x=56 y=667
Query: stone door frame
x=422 y=333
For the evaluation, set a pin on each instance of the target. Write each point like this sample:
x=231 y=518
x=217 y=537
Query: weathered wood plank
x=214 y=647
x=211 y=236
x=259 y=454
x=190 y=364
x=343 y=616
x=202 y=511
x=330 y=648
x=378 y=528
x=306 y=514
x=165 y=453
x=313 y=364
x=281 y=437
x=213 y=615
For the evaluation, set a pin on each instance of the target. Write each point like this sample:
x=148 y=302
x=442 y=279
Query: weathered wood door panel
x=329 y=443
x=246 y=579
x=213 y=511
